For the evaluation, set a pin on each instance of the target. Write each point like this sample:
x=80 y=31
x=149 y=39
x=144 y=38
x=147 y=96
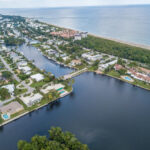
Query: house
x=11 y=108
x=25 y=69
x=22 y=64
x=139 y=76
x=118 y=67
x=84 y=34
x=91 y=57
x=15 y=57
x=104 y=66
x=52 y=87
x=51 y=51
x=65 y=58
x=75 y=62
x=77 y=37
x=38 y=77
x=146 y=71
x=10 y=88
x=45 y=46
x=32 y=99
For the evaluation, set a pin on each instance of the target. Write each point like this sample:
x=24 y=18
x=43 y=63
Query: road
x=30 y=89
x=9 y=69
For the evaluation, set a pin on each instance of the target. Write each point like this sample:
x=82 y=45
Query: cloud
x=62 y=3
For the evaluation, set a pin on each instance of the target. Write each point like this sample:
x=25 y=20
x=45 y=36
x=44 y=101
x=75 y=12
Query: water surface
x=127 y=23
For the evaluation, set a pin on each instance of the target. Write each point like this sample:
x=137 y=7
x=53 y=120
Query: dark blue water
x=128 y=23
x=103 y=112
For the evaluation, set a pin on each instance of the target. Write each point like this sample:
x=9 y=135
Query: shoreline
x=122 y=80
x=144 y=46
x=27 y=112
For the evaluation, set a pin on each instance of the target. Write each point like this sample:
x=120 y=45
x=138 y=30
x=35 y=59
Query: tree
x=121 y=62
x=4 y=94
x=7 y=74
x=122 y=71
x=58 y=140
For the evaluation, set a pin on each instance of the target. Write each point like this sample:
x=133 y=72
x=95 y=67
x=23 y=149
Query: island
x=25 y=88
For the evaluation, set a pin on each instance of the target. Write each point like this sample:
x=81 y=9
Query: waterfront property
x=10 y=109
x=32 y=99
x=56 y=87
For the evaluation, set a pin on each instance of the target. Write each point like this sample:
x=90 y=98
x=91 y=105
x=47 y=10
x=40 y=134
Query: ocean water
x=127 y=23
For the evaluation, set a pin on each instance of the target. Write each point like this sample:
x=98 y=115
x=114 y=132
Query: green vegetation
x=4 y=94
x=58 y=140
x=7 y=74
x=116 y=49
x=1 y=120
x=20 y=91
x=114 y=73
x=12 y=41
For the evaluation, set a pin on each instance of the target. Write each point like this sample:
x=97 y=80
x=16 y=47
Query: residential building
x=38 y=77
x=10 y=88
x=32 y=99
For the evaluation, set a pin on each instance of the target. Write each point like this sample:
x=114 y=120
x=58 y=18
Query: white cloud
x=61 y=3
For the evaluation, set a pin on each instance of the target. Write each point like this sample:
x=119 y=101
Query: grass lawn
x=114 y=74
x=38 y=84
x=142 y=84
x=20 y=91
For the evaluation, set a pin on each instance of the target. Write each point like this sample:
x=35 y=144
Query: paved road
x=9 y=69
x=30 y=89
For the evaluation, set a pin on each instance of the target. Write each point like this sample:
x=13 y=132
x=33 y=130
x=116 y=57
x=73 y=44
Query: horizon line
x=121 y=5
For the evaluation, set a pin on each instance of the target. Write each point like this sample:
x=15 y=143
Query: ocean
x=126 y=23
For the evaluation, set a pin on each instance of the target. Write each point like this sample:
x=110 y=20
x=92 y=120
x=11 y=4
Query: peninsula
x=25 y=88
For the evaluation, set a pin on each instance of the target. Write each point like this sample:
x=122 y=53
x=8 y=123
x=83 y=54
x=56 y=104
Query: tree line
x=115 y=48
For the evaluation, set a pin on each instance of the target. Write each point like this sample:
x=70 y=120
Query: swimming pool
x=61 y=92
x=59 y=89
x=5 y=116
x=128 y=78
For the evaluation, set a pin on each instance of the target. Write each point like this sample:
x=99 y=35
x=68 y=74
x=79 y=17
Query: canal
x=105 y=113
x=42 y=62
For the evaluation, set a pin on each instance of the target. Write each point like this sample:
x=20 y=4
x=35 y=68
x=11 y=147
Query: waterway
x=42 y=62
x=103 y=112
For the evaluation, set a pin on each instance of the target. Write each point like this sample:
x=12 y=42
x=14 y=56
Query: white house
x=104 y=66
x=77 y=37
x=75 y=62
x=65 y=58
x=52 y=87
x=10 y=88
x=84 y=34
x=38 y=77
x=22 y=63
x=25 y=69
x=31 y=100
x=91 y=57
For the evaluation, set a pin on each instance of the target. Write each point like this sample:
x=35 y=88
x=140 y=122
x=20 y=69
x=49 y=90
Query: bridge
x=73 y=74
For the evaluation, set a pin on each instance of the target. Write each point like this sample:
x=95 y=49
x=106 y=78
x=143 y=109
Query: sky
x=66 y=3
